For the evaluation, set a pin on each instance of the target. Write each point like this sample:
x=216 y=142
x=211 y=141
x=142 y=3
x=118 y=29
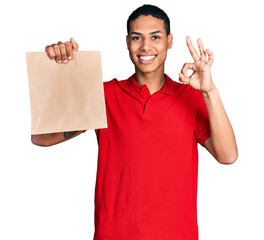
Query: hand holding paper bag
x=62 y=52
x=65 y=97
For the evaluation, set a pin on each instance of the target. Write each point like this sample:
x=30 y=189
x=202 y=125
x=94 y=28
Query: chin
x=145 y=70
x=148 y=69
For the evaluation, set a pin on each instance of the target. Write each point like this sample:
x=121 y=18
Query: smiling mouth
x=145 y=59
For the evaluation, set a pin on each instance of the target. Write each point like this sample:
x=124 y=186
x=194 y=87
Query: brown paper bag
x=66 y=97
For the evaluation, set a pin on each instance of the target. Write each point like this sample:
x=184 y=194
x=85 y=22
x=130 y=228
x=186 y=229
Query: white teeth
x=146 y=58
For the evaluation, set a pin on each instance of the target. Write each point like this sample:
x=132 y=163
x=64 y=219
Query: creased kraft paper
x=66 y=97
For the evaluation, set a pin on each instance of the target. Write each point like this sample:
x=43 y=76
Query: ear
x=170 y=40
x=127 y=41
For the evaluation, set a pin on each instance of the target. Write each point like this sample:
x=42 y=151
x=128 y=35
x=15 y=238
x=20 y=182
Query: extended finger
x=56 y=49
x=192 y=50
x=185 y=68
x=69 y=49
x=63 y=52
x=210 y=57
x=75 y=46
x=50 y=52
x=201 y=49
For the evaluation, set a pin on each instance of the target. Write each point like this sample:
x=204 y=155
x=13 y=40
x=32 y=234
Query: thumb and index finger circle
x=187 y=66
x=183 y=75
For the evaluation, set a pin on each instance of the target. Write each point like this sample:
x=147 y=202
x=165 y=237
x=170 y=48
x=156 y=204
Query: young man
x=146 y=186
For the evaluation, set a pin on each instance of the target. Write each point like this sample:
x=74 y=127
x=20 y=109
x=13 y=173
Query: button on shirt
x=146 y=185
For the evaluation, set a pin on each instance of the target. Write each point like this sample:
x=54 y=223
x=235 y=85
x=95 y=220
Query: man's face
x=148 y=43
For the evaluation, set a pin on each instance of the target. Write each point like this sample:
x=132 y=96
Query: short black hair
x=152 y=10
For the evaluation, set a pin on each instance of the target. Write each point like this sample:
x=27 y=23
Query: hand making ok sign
x=201 y=78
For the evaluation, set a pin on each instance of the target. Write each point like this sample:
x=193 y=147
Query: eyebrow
x=158 y=31
x=137 y=33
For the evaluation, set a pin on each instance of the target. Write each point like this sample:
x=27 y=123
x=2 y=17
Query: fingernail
x=59 y=61
x=69 y=57
x=65 y=60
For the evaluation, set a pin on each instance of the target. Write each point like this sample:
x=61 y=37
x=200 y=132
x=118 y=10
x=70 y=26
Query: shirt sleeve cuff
x=204 y=137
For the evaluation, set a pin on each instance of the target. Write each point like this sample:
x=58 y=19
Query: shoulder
x=188 y=94
x=185 y=90
x=114 y=82
x=114 y=85
x=109 y=85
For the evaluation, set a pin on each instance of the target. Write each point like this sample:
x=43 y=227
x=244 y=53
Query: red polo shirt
x=146 y=185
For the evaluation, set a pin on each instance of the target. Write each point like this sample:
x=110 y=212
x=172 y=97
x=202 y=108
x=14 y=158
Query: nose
x=145 y=45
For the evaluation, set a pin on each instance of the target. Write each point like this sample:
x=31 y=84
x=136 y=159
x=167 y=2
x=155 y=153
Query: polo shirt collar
x=166 y=89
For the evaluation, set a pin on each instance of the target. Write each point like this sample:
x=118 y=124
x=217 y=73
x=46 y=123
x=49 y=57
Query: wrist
x=207 y=94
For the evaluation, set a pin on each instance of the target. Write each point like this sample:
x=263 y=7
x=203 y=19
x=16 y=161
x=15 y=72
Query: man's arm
x=62 y=53
x=222 y=143
x=50 y=139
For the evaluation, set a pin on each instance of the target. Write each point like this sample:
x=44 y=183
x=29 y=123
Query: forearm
x=50 y=139
x=222 y=134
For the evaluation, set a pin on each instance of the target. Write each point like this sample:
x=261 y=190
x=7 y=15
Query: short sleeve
x=202 y=126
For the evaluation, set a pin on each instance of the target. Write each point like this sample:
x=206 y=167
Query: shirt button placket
x=147 y=113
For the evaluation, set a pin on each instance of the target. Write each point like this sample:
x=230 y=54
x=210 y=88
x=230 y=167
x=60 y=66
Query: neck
x=153 y=80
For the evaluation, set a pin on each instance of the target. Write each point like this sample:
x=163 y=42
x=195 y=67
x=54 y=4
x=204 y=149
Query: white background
x=48 y=193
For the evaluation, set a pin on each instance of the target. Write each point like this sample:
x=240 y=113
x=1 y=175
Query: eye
x=135 y=38
x=156 y=37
